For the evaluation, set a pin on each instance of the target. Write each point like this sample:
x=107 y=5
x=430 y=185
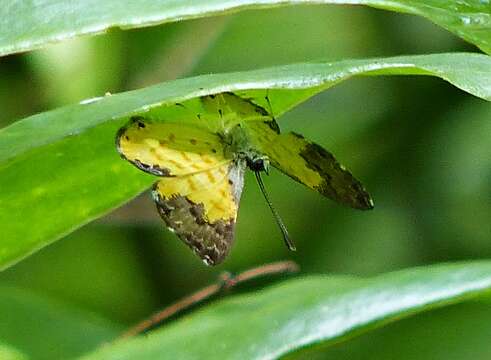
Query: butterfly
x=200 y=166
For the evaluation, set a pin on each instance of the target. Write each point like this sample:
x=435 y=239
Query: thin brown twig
x=227 y=281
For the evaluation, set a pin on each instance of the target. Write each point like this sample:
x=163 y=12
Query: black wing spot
x=152 y=169
x=260 y=110
x=214 y=151
x=136 y=118
x=273 y=125
x=298 y=136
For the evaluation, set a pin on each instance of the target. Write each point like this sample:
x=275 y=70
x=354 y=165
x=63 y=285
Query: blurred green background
x=420 y=146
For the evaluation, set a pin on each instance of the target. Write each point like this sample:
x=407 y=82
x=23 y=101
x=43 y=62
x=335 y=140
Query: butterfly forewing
x=309 y=164
x=202 y=209
x=168 y=149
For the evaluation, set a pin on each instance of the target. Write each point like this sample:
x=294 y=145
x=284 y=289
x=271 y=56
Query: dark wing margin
x=309 y=164
x=205 y=218
x=338 y=183
x=211 y=241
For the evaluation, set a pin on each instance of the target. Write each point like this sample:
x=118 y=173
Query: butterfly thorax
x=239 y=147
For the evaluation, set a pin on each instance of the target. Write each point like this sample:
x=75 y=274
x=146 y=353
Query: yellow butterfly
x=201 y=165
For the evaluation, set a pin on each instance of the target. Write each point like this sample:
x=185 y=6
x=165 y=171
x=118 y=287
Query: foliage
x=78 y=145
x=42 y=25
x=422 y=146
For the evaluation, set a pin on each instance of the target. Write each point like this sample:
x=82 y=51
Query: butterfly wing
x=228 y=103
x=168 y=149
x=202 y=208
x=304 y=161
x=199 y=191
x=309 y=164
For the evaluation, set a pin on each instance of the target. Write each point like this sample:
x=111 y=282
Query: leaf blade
x=62 y=20
x=33 y=323
x=469 y=72
x=305 y=312
x=60 y=169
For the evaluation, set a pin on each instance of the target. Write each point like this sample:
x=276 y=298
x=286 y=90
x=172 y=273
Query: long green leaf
x=302 y=313
x=452 y=333
x=26 y=25
x=46 y=329
x=59 y=169
x=7 y=352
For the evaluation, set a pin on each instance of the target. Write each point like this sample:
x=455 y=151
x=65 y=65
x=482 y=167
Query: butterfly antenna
x=269 y=103
x=289 y=242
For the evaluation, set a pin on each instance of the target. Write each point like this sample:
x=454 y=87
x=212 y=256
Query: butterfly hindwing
x=202 y=209
x=309 y=164
x=168 y=149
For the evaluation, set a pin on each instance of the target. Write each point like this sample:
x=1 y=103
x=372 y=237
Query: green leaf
x=27 y=26
x=105 y=276
x=42 y=328
x=60 y=170
x=301 y=313
x=9 y=353
x=451 y=333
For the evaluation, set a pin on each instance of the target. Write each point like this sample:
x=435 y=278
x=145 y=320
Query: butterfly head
x=257 y=162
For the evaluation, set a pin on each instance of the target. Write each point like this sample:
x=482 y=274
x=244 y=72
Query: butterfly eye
x=258 y=164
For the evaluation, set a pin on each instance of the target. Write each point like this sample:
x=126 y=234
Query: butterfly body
x=201 y=168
